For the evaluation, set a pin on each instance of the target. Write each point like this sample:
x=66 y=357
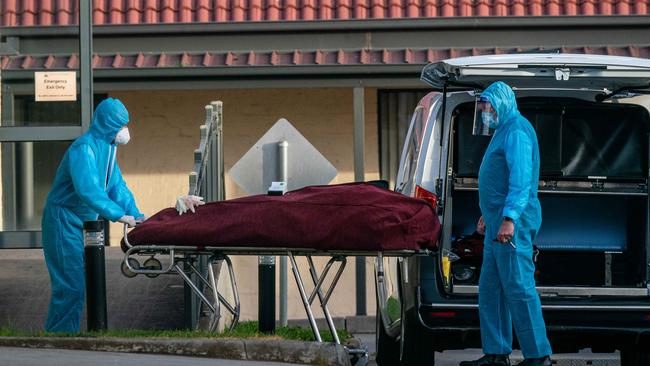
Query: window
x=396 y=108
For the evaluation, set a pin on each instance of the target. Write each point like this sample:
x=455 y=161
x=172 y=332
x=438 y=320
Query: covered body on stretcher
x=337 y=221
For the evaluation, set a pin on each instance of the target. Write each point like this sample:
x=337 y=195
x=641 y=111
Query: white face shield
x=483 y=117
x=123 y=137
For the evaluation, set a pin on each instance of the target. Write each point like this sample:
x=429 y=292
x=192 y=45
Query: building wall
x=164 y=133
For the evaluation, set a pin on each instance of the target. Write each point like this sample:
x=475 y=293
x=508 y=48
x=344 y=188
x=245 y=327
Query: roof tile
x=325 y=10
x=273 y=10
x=385 y=56
x=203 y=11
x=139 y=61
x=221 y=11
x=230 y=59
x=343 y=9
x=27 y=62
x=117 y=61
x=150 y=11
x=361 y=9
x=251 y=59
x=290 y=10
x=162 y=60
x=207 y=59
x=255 y=10
x=72 y=62
x=186 y=13
x=282 y=58
x=49 y=62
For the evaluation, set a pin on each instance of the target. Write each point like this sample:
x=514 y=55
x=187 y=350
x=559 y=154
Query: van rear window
x=577 y=139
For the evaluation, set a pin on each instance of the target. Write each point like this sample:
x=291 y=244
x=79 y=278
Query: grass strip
x=247 y=329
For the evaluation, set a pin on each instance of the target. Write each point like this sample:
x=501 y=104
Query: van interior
x=593 y=190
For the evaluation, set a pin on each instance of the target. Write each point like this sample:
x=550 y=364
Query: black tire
x=414 y=349
x=387 y=347
x=635 y=356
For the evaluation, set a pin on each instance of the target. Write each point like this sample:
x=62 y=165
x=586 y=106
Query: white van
x=593 y=249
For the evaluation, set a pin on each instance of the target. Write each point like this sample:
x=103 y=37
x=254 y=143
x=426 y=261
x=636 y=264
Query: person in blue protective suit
x=511 y=217
x=88 y=184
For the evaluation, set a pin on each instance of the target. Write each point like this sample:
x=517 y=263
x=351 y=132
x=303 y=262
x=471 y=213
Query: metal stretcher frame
x=218 y=255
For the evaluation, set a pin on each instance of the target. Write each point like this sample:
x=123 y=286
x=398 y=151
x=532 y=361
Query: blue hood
x=503 y=101
x=109 y=117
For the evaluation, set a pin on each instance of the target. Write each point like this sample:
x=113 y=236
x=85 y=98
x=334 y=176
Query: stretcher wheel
x=152 y=264
x=126 y=271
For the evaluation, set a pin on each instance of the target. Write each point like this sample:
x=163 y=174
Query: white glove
x=189 y=202
x=141 y=219
x=126 y=219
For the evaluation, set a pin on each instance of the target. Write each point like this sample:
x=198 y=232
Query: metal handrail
x=203 y=155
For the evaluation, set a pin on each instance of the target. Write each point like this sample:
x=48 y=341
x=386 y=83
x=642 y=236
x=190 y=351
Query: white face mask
x=123 y=137
x=488 y=119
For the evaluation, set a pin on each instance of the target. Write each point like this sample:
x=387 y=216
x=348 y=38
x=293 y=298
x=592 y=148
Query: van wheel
x=635 y=356
x=387 y=347
x=414 y=348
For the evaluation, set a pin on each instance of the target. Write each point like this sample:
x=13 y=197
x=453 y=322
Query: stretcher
x=182 y=260
x=411 y=219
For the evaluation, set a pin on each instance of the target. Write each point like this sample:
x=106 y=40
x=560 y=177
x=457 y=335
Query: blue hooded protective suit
x=508 y=180
x=88 y=183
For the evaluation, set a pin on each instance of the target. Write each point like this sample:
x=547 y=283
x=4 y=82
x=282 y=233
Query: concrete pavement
x=271 y=349
x=58 y=357
x=453 y=358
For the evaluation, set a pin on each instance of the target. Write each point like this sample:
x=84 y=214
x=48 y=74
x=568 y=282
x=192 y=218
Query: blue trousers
x=64 y=255
x=507 y=295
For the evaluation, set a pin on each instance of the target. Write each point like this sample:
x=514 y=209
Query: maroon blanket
x=337 y=217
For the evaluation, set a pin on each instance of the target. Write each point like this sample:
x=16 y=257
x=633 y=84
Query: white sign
x=259 y=167
x=55 y=86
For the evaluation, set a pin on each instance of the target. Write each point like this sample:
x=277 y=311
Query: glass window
x=38 y=63
x=29 y=113
x=28 y=169
x=26 y=112
x=396 y=109
x=410 y=159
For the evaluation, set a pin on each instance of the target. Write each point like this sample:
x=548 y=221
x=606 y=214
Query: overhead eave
x=451 y=23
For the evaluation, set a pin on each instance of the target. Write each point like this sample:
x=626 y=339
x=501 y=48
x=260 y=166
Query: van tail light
x=427 y=196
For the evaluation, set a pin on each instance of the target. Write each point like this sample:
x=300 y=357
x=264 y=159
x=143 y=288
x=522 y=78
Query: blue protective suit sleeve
x=121 y=194
x=518 y=151
x=88 y=184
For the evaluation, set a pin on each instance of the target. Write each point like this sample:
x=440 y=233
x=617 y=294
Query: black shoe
x=489 y=360
x=542 y=361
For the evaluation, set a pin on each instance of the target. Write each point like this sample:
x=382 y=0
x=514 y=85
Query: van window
x=395 y=114
x=577 y=139
x=411 y=152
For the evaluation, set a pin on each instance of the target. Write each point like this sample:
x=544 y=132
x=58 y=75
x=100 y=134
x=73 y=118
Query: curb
x=311 y=353
x=356 y=324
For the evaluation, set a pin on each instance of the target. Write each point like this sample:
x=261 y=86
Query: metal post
x=25 y=185
x=209 y=191
x=266 y=294
x=85 y=64
x=190 y=301
x=283 y=158
x=647 y=224
x=95 y=275
x=359 y=176
x=218 y=110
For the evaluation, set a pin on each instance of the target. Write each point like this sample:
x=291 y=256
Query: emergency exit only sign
x=55 y=86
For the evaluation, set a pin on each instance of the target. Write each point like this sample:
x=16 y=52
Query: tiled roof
x=272 y=59
x=65 y=12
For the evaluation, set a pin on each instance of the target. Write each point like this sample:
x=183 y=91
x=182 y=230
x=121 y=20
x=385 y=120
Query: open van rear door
x=564 y=71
